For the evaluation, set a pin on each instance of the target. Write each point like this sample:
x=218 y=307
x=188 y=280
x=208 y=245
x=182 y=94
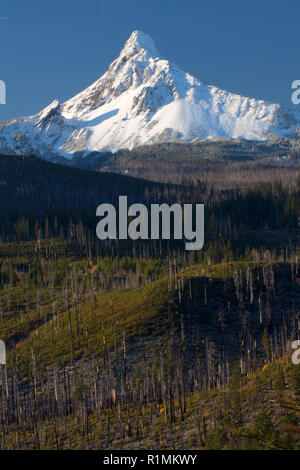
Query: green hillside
x=154 y=364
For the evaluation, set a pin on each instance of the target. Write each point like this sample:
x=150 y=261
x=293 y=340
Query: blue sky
x=54 y=49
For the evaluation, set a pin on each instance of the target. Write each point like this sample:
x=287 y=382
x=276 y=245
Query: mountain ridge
x=144 y=99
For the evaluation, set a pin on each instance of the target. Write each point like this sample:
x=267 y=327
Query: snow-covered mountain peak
x=144 y=99
x=137 y=63
x=139 y=41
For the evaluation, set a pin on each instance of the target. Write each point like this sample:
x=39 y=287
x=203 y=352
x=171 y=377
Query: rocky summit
x=144 y=99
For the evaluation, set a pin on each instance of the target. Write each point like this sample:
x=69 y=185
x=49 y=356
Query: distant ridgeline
x=236 y=150
x=45 y=200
